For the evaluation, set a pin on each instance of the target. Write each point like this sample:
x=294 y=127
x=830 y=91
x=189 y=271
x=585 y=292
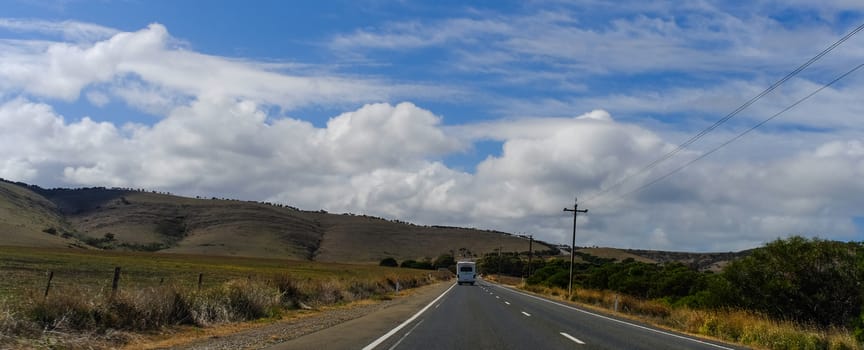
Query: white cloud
x=691 y=38
x=217 y=134
x=148 y=72
x=98 y=98
x=69 y=30
x=378 y=159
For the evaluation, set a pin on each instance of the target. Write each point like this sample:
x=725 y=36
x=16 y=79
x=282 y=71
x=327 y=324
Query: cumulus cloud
x=217 y=135
x=379 y=159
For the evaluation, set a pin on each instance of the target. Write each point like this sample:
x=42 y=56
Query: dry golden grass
x=758 y=331
x=23 y=217
x=82 y=309
x=735 y=326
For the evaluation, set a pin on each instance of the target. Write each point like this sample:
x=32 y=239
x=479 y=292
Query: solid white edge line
x=618 y=321
x=406 y=335
x=572 y=338
x=394 y=330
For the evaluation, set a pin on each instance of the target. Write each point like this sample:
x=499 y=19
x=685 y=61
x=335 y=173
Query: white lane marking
x=619 y=321
x=497 y=297
x=507 y=302
x=526 y=314
x=406 y=335
x=436 y=306
x=394 y=330
x=572 y=338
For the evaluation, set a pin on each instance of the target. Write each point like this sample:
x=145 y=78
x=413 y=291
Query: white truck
x=466 y=272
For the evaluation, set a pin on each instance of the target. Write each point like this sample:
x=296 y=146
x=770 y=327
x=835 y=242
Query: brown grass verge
x=735 y=326
x=84 y=318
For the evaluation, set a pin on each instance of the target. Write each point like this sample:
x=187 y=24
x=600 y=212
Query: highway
x=489 y=316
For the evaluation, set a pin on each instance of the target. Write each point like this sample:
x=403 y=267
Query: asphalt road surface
x=489 y=316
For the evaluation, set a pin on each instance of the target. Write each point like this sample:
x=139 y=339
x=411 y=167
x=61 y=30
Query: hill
x=699 y=261
x=126 y=219
x=29 y=219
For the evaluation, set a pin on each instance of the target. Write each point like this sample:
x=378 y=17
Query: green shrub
x=389 y=262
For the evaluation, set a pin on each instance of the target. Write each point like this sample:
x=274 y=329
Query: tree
x=806 y=280
x=413 y=264
x=389 y=262
x=444 y=260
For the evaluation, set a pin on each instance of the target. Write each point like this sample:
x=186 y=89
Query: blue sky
x=488 y=114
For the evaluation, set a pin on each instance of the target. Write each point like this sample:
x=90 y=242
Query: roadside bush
x=72 y=309
x=626 y=304
x=806 y=280
x=389 y=262
x=248 y=300
x=413 y=264
x=12 y=324
x=290 y=294
x=859 y=328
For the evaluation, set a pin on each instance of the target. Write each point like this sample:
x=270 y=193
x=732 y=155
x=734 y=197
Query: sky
x=486 y=114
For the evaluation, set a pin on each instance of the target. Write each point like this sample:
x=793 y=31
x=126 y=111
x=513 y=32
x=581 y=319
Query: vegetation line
x=793 y=293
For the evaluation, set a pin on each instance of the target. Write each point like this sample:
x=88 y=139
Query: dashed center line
x=526 y=314
x=572 y=338
x=497 y=297
x=507 y=302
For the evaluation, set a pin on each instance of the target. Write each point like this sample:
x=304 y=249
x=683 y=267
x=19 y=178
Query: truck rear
x=466 y=272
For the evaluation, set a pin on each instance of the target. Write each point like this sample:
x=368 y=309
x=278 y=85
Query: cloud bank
x=216 y=134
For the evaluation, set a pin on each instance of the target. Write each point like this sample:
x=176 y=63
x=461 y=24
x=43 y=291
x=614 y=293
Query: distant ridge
x=133 y=219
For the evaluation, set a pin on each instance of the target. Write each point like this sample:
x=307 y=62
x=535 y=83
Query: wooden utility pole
x=575 y=211
x=530 y=253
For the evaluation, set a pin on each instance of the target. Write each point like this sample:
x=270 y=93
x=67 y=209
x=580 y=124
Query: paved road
x=489 y=316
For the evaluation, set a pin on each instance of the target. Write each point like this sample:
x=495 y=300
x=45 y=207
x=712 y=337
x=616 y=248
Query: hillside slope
x=136 y=220
x=369 y=239
x=28 y=219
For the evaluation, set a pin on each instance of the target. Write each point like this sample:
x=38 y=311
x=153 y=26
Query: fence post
x=116 y=282
x=48 y=286
x=200 y=279
x=616 y=302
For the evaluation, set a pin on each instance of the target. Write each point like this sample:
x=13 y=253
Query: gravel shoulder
x=346 y=327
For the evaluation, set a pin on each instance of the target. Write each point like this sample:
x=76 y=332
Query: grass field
x=24 y=270
x=161 y=290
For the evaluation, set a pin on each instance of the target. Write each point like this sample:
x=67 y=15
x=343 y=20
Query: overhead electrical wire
x=732 y=114
x=740 y=135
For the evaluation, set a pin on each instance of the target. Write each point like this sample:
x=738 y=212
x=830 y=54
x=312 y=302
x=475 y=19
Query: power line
x=740 y=135
x=732 y=114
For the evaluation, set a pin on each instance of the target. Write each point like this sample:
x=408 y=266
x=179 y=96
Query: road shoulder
x=358 y=332
x=305 y=327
